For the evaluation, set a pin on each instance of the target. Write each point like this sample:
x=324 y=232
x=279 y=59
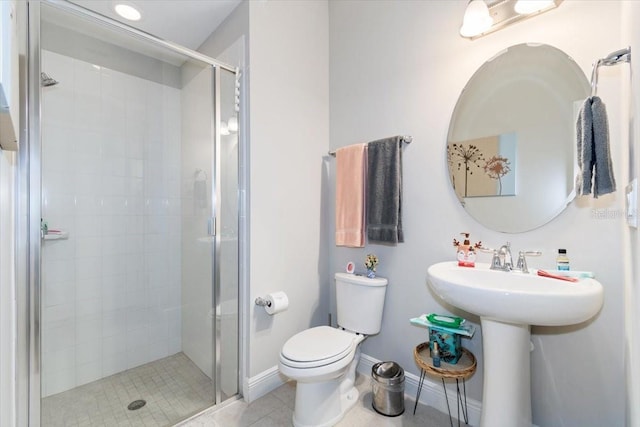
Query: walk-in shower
x=131 y=217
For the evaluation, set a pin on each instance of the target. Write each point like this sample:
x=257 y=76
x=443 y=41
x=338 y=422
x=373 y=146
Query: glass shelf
x=62 y=235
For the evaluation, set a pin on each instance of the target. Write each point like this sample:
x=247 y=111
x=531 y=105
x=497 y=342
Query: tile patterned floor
x=276 y=410
x=174 y=389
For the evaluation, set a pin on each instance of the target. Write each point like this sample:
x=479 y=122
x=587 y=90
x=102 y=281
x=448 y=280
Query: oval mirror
x=511 y=145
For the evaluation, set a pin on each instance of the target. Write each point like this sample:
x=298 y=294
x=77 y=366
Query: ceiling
x=185 y=22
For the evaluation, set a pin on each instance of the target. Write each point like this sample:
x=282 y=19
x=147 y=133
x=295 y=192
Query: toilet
x=323 y=359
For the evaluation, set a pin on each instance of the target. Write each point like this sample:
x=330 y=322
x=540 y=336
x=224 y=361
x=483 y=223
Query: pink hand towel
x=351 y=173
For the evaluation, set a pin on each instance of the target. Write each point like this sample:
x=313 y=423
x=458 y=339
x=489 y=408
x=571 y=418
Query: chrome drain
x=136 y=404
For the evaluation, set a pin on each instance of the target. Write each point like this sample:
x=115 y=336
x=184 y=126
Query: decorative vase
x=370 y=273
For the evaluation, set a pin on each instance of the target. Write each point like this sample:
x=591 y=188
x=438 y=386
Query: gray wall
x=398 y=68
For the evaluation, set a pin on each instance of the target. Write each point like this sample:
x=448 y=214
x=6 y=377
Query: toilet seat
x=318 y=346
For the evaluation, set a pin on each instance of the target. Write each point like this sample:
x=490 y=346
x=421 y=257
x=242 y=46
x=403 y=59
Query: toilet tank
x=360 y=302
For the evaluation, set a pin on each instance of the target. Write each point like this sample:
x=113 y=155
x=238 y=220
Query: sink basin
x=516 y=297
x=508 y=303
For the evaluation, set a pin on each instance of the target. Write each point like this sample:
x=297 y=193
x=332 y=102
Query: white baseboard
x=432 y=393
x=263 y=383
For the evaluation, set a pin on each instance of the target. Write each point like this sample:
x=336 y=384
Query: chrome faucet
x=503 y=261
x=502 y=258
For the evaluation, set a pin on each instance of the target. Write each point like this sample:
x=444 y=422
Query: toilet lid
x=318 y=344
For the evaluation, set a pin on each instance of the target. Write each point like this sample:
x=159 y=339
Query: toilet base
x=327 y=406
x=324 y=403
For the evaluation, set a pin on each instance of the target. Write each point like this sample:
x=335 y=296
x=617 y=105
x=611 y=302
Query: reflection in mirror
x=511 y=142
x=493 y=156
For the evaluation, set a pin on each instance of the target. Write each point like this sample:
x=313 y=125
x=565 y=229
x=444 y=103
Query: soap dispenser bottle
x=465 y=251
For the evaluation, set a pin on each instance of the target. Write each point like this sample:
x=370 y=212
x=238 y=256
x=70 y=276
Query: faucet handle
x=522 y=260
x=505 y=255
x=496 y=263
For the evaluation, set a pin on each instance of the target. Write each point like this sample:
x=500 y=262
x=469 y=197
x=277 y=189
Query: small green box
x=448 y=344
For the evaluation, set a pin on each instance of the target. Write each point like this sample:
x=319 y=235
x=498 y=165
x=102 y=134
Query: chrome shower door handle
x=211 y=226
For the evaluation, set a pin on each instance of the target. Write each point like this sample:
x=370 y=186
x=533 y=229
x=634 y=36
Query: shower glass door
x=138 y=283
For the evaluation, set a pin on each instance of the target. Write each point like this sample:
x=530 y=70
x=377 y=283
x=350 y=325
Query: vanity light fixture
x=499 y=14
x=127 y=11
x=476 y=19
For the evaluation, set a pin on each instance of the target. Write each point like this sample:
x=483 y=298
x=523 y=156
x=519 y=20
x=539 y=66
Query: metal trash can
x=388 y=388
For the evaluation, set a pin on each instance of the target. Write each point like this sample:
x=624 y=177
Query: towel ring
x=614 y=58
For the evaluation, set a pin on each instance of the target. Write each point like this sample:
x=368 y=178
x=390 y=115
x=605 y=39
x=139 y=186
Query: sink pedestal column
x=506 y=400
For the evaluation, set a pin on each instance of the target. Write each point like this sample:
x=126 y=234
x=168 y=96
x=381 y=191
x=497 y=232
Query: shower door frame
x=29 y=191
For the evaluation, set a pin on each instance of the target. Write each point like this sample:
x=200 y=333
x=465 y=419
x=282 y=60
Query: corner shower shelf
x=62 y=235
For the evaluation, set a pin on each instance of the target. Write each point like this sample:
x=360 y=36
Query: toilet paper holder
x=273 y=303
x=263 y=302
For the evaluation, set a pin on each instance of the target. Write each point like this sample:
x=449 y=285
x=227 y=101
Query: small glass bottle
x=435 y=355
x=562 y=261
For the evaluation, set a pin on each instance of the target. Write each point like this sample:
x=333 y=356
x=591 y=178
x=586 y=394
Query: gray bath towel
x=384 y=191
x=584 y=136
x=594 y=154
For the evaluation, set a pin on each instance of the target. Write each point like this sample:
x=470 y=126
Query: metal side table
x=465 y=367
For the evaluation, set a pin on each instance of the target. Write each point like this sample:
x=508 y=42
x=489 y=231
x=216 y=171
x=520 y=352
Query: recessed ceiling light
x=127 y=11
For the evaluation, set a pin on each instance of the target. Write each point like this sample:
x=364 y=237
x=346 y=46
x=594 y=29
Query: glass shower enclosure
x=133 y=224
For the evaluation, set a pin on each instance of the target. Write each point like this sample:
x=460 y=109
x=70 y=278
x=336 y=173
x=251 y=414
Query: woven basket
x=465 y=367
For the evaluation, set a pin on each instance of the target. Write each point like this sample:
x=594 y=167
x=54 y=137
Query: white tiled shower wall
x=111 y=178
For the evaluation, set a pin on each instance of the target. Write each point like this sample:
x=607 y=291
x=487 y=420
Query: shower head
x=46 y=80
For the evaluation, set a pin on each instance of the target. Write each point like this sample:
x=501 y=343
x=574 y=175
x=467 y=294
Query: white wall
x=289 y=110
x=398 y=68
x=9 y=63
x=8 y=77
x=631 y=85
x=110 y=177
x=7 y=289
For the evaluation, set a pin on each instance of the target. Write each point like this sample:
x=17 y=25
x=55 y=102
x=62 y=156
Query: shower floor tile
x=174 y=388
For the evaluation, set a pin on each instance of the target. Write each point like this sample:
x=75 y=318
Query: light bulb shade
x=525 y=7
x=476 y=19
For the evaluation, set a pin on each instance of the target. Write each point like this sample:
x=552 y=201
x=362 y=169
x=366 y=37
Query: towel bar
x=406 y=139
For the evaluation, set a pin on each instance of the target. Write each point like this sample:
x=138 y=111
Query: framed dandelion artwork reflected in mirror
x=483 y=167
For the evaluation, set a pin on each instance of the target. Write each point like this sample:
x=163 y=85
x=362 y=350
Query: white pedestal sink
x=508 y=303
